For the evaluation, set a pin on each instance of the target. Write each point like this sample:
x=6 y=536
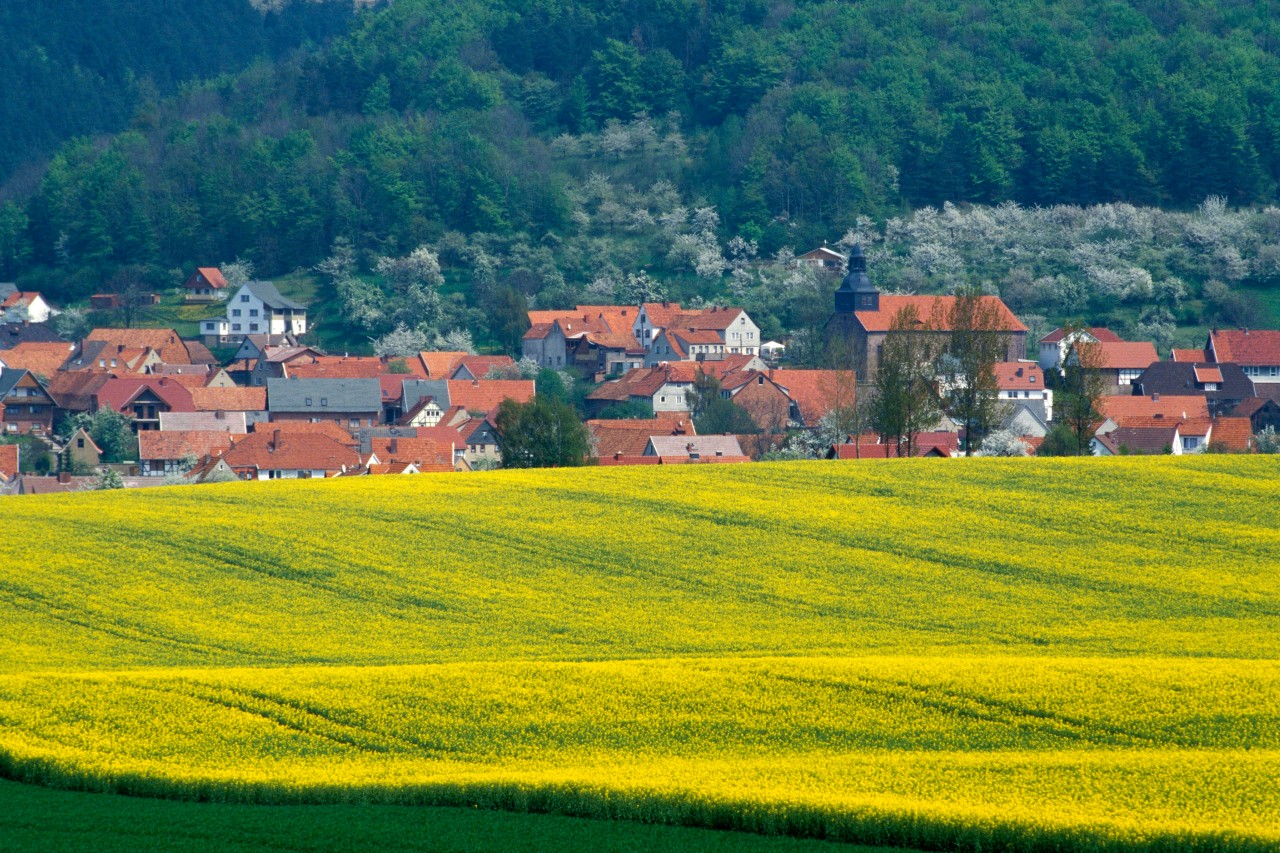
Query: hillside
x=1048 y=653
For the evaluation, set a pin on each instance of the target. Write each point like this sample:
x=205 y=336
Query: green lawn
x=39 y=819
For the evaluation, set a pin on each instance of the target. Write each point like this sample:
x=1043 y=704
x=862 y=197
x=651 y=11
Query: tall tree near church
x=977 y=342
x=906 y=401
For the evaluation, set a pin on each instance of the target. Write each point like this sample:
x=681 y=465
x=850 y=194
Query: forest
x=566 y=151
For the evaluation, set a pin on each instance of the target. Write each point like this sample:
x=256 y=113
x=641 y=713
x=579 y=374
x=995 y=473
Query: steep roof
x=229 y=399
x=1119 y=355
x=485 y=395
x=1251 y=347
x=1185 y=377
x=172 y=349
x=630 y=436
x=438 y=365
x=175 y=444
x=479 y=365
x=213 y=276
x=1189 y=355
x=1233 y=434
x=816 y=391
x=708 y=319
x=419 y=451
x=317 y=396
x=661 y=314
x=12 y=334
x=20 y=297
x=927 y=307
x=1141 y=440
x=76 y=391
x=118 y=393
x=1100 y=333
x=271 y=296
x=41 y=358
x=290 y=450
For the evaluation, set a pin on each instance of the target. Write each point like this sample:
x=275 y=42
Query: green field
x=1007 y=654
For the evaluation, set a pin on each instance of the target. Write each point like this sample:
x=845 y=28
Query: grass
x=39 y=819
x=1021 y=654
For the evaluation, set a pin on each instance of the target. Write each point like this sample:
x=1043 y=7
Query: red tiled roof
x=166 y=342
x=42 y=359
x=436 y=365
x=1100 y=333
x=1120 y=406
x=118 y=392
x=1250 y=347
x=1248 y=406
x=485 y=395
x=816 y=391
x=175 y=444
x=76 y=390
x=1189 y=355
x=420 y=451
x=869 y=446
x=20 y=297
x=630 y=436
x=479 y=364
x=661 y=314
x=1140 y=440
x=213 y=276
x=229 y=399
x=290 y=450
x=1122 y=355
x=1019 y=376
x=1208 y=374
x=930 y=309
x=1232 y=434
x=329 y=429
x=337 y=367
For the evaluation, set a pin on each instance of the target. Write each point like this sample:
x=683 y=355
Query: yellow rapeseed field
x=1021 y=654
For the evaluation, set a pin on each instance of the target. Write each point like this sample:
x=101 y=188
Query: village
x=282 y=409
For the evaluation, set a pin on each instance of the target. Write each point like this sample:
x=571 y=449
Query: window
x=244 y=297
x=235 y=327
x=253 y=327
x=235 y=312
x=79 y=442
x=253 y=312
x=308 y=401
x=324 y=401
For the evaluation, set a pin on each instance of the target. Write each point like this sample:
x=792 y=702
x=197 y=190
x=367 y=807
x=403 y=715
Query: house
x=283 y=454
x=652 y=318
x=423 y=401
x=44 y=359
x=483 y=396
x=256 y=308
x=1027 y=419
x=1261 y=413
x=1231 y=435
x=163 y=452
x=275 y=362
x=934 y=445
x=12 y=334
x=863 y=319
x=815 y=393
x=166 y=343
x=1119 y=362
x=76 y=392
x=249 y=403
x=626 y=437
x=254 y=346
x=25 y=307
x=435 y=365
x=334 y=367
x=234 y=423
x=1138 y=441
x=478 y=366
x=82 y=452
x=597 y=339
x=143 y=399
x=695 y=448
x=326 y=428
x=1223 y=385
x=424 y=455
x=28 y=406
x=1055 y=345
x=822 y=259
x=481 y=441
x=1118 y=408
x=206 y=284
x=663 y=387
x=350 y=403
x=1257 y=351
x=684 y=345
x=1023 y=381
x=733 y=327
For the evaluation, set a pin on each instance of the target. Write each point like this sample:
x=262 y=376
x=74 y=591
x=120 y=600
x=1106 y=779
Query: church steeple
x=856 y=293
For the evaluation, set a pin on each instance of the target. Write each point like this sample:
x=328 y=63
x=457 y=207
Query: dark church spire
x=856 y=293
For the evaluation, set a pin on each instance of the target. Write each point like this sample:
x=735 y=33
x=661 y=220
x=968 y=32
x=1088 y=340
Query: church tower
x=856 y=292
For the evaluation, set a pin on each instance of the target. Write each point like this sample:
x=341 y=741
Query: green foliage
x=33 y=453
x=543 y=433
x=110 y=430
x=627 y=409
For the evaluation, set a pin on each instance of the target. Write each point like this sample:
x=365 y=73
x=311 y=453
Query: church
x=857 y=330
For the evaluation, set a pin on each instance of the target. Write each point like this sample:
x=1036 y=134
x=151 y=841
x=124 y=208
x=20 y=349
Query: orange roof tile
x=420 y=451
x=1122 y=355
x=485 y=395
x=815 y=392
x=229 y=399
x=279 y=449
x=1019 y=376
x=164 y=341
x=336 y=367
x=8 y=459
x=1252 y=347
x=175 y=444
x=1208 y=374
x=927 y=307
x=1232 y=434
x=42 y=359
x=329 y=429
x=438 y=365
x=1173 y=407
x=1189 y=355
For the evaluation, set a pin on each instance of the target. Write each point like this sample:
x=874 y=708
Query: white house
x=1021 y=382
x=1054 y=346
x=257 y=308
x=19 y=306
